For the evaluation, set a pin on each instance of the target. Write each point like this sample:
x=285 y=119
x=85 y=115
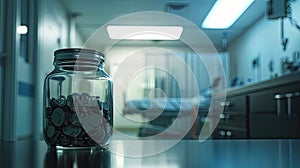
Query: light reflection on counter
x=187 y=153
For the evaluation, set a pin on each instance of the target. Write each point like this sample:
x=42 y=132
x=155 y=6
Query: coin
x=78 y=120
x=50 y=131
x=74 y=119
x=58 y=116
x=70 y=101
x=71 y=131
x=62 y=100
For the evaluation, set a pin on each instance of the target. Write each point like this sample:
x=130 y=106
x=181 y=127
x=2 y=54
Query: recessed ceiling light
x=224 y=13
x=144 y=32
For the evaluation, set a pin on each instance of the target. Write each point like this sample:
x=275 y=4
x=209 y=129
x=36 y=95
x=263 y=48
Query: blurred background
x=252 y=50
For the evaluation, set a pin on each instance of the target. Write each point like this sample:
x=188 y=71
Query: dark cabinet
x=233 y=120
x=266 y=110
x=275 y=112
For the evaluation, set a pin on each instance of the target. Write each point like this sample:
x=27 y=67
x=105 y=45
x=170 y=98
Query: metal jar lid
x=78 y=58
x=78 y=53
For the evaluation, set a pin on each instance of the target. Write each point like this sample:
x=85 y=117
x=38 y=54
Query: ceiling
x=92 y=14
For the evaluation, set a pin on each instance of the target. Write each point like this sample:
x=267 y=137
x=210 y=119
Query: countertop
x=185 y=154
x=280 y=81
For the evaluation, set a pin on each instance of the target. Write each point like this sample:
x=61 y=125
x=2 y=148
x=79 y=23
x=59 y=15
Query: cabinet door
x=234 y=113
x=233 y=123
x=274 y=113
x=271 y=126
x=235 y=104
x=235 y=119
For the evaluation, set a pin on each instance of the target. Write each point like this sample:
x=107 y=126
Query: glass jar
x=78 y=103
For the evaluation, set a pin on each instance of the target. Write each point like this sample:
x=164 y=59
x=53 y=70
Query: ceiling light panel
x=224 y=13
x=144 y=32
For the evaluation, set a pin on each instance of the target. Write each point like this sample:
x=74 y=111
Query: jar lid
x=67 y=53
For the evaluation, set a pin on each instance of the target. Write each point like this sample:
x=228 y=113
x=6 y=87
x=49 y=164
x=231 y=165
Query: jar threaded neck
x=78 y=59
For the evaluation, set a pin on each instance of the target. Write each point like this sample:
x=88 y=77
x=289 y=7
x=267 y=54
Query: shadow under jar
x=78 y=103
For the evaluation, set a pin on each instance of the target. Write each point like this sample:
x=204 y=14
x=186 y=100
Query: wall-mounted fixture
x=280 y=9
x=289 y=66
x=224 y=13
x=224 y=41
x=22 y=29
x=144 y=32
x=277 y=9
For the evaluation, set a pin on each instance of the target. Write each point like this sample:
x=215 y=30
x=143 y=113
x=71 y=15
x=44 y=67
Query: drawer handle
x=224 y=116
x=228 y=133
x=226 y=104
x=278 y=98
x=225 y=133
x=289 y=97
x=222 y=133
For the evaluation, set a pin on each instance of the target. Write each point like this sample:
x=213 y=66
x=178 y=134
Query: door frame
x=2 y=56
x=11 y=47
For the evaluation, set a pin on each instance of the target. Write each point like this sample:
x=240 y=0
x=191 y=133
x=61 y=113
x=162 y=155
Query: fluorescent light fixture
x=22 y=29
x=144 y=32
x=225 y=12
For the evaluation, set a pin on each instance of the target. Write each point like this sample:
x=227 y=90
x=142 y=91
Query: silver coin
x=50 y=131
x=70 y=101
x=71 y=131
x=62 y=100
x=58 y=116
x=74 y=119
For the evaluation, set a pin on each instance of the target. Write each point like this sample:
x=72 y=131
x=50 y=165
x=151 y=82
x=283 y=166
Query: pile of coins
x=80 y=120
